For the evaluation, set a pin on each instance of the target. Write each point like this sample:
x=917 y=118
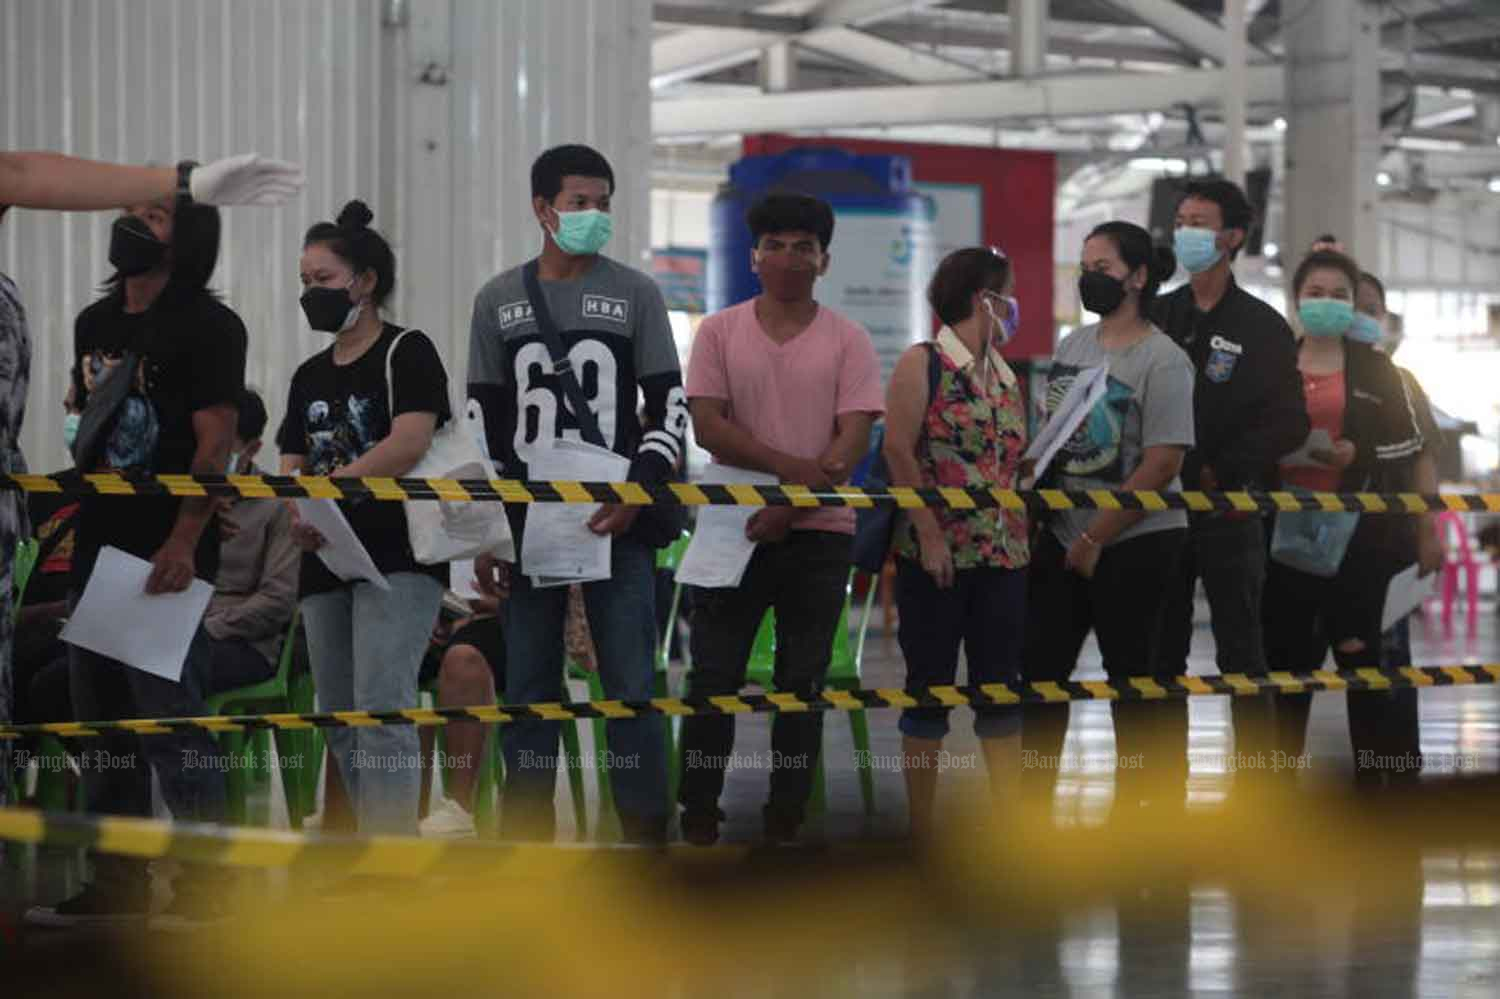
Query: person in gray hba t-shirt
x=616 y=345
x=1148 y=403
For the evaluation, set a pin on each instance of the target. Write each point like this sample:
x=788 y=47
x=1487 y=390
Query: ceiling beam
x=1168 y=17
x=689 y=16
x=992 y=100
x=892 y=59
x=1059 y=42
x=683 y=55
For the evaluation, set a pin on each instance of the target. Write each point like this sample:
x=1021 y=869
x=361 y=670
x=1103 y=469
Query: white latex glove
x=247 y=179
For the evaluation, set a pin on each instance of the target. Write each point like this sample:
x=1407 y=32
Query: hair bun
x=355 y=215
x=1163 y=263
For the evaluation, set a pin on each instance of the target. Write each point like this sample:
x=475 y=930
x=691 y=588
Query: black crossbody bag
x=656 y=526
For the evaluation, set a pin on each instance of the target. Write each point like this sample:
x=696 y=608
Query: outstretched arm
x=68 y=183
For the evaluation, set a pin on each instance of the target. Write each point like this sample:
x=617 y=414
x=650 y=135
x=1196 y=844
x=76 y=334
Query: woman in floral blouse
x=955 y=417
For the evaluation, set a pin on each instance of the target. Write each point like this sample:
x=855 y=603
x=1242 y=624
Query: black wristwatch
x=184 y=180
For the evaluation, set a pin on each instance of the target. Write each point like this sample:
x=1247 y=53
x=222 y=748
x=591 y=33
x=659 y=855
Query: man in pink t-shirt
x=778 y=384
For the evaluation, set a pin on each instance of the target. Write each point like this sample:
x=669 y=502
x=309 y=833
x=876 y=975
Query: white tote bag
x=443 y=531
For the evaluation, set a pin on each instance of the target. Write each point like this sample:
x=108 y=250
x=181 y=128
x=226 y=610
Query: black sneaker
x=701 y=828
x=92 y=907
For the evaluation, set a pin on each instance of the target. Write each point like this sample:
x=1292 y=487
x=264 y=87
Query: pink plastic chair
x=1458 y=558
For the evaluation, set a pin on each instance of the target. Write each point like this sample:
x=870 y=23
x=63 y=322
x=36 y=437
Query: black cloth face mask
x=1100 y=293
x=329 y=310
x=133 y=247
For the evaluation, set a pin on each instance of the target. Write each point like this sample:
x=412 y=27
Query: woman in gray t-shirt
x=1106 y=571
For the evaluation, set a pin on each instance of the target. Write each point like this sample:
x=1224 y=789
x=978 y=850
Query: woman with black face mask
x=366 y=406
x=1105 y=571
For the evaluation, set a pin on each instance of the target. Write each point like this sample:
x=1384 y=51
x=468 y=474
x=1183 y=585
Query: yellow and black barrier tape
x=228 y=846
x=1144 y=688
x=694 y=494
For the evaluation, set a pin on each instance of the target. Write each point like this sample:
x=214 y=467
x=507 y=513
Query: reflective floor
x=1414 y=923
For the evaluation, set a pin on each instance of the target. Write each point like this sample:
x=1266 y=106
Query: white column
x=1333 y=124
x=778 y=68
x=1234 y=90
x=1028 y=37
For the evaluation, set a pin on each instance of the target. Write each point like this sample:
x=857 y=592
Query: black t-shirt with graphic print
x=192 y=357
x=337 y=412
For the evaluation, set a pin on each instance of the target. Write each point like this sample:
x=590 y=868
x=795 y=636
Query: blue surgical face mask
x=70 y=428
x=1196 y=248
x=1325 y=316
x=1366 y=329
x=1006 y=325
x=583 y=234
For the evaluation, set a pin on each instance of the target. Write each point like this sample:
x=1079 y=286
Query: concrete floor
x=1191 y=938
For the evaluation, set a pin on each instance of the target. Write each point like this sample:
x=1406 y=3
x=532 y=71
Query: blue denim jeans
x=622 y=617
x=366 y=645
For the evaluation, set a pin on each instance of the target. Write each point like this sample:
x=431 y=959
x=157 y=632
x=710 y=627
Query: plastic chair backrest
x=763 y=652
x=670 y=557
x=854 y=668
x=20 y=573
x=278 y=686
x=1451 y=521
x=288 y=648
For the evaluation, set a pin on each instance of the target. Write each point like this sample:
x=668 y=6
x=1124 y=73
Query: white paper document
x=558 y=542
x=1087 y=389
x=1407 y=589
x=462 y=580
x=115 y=617
x=342 y=551
x=720 y=552
x=1318 y=440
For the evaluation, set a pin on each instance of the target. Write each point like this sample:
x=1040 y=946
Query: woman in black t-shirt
x=343 y=419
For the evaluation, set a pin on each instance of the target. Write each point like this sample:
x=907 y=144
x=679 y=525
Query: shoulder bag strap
x=562 y=366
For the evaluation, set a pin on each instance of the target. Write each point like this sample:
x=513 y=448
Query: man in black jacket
x=1248 y=412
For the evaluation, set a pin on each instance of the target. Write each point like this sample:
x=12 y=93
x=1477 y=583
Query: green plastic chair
x=845 y=667
x=269 y=696
x=303 y=696
x=20 y=573
x=668 y=558
x=52 y=777
x=21 y=567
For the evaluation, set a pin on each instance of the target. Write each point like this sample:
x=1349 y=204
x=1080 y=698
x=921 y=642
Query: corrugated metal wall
x=336 y=85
